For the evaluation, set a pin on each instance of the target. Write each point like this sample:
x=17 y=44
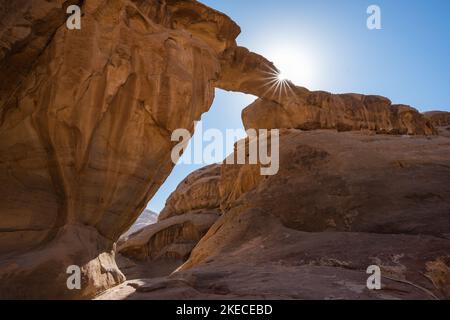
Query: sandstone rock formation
x=146 y=218
x=441 y=121
x=438 y=118
x=85 y=123
x=86 y=117
x=341 y=202
x=284 y=105
x=305 y=110
x=173 y=238
x=26 y=28
x=189 y=212
x=199 y=193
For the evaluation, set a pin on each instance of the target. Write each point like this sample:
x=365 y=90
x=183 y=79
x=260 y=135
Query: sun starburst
x=277 y=83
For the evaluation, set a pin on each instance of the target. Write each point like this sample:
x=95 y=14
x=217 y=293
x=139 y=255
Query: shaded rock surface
x=85 y=123
x=199 y=192
x=174 y=237
x=341 y=202
x=189 y=213
x=438 y=118
x=26 y=28
x=146 y=218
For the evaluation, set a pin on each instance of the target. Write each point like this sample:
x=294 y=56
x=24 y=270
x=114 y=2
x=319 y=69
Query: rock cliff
x=199 y=193
x=85 y=123
x=189 y=212
x=438 y=118
x=340 y=203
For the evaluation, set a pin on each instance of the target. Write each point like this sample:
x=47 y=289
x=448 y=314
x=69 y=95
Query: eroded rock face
x=199 y=192
x=281 y=104
x=86 y=117
x=26 y=28
x=145 y=219
x=438 y=118
x=340 y=202
x=343 y=190
x=85 y=123
x=172 y=238
x=306 y=110
x=189 y=213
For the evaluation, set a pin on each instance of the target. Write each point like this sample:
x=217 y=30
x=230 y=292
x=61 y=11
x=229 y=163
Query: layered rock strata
x=281 y=104
x=189 y=213
x=438 y=118
x=85 y=123
x=340 y=203
x=86 y=118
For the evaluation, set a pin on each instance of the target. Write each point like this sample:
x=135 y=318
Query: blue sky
x=325 y=45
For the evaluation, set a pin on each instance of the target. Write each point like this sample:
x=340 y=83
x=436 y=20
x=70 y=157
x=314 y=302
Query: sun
x=281 y=76
x=295 y=63
x=293 y=66
x=276 y=83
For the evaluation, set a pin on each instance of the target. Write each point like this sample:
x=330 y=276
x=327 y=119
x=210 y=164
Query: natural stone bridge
x=86 y=117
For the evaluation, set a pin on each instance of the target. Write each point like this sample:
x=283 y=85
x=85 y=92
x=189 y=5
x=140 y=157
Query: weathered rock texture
x=438 y=118
x=199 y=192
x=85 y=123
x=173 y=238
x=146 y=218
x=340 y=202
x=26 y=28
x=305 y=110
x=284 y=105
x=189 y=212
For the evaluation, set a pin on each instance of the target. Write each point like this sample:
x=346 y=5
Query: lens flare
x=282 y=76
x=277 y=83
